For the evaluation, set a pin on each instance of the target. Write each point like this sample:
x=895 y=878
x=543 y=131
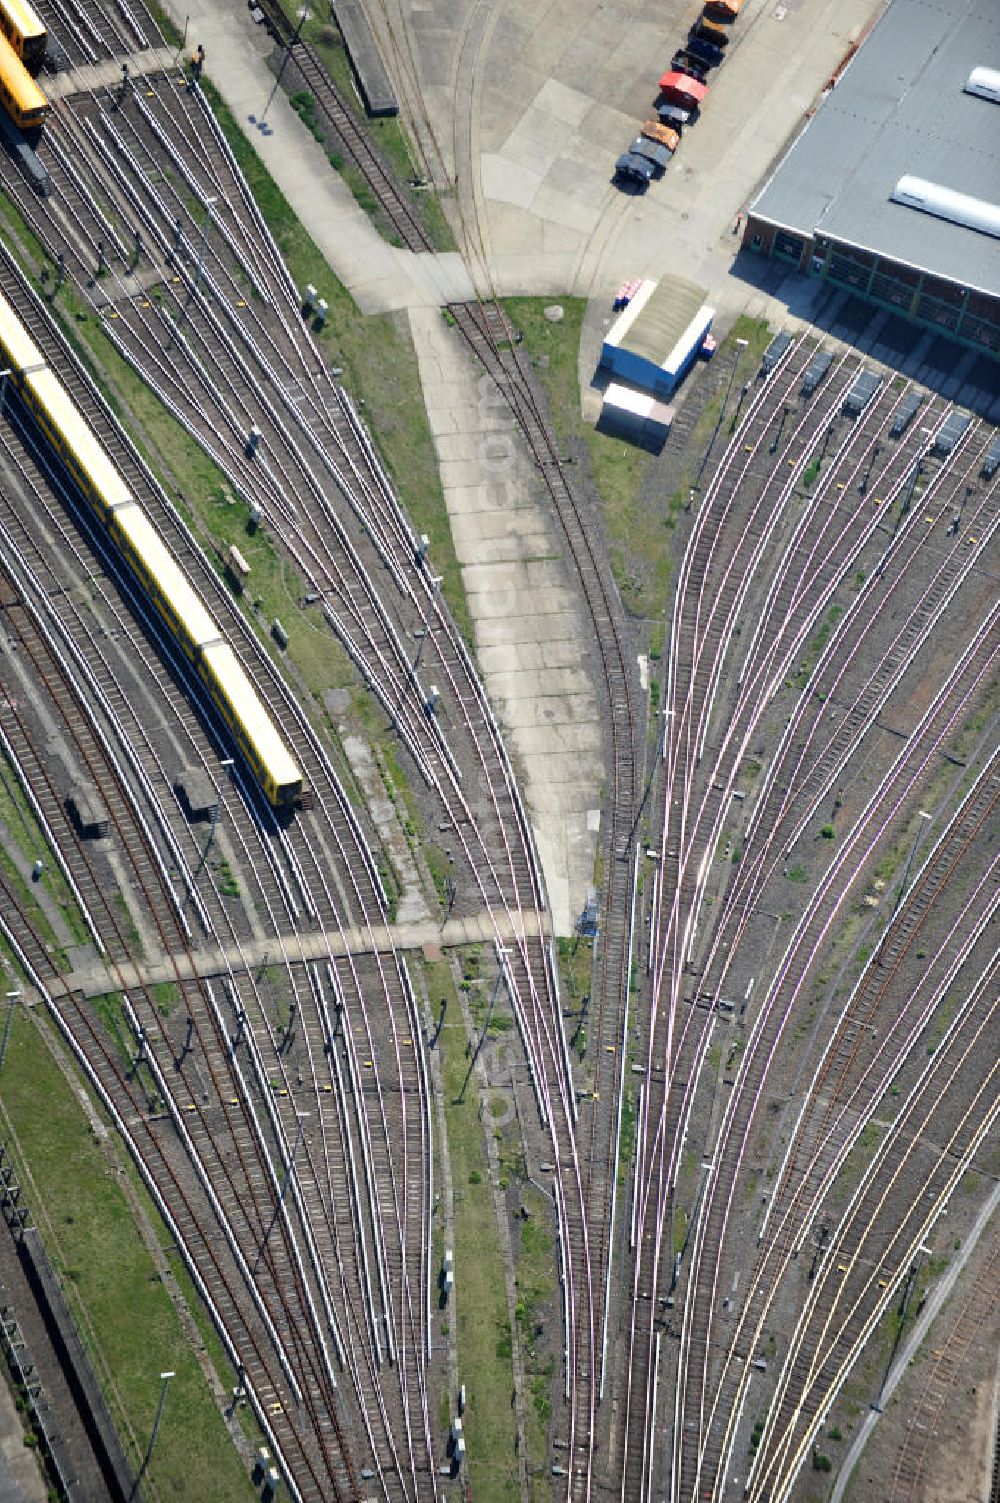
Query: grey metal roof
x=664 y=318
x=900 y=107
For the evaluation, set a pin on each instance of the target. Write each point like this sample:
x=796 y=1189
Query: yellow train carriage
x=19 y=94
x=187 y=620
x=71 y=435
x=166 y=585
x=57 y=416
x=17 y=347
x=251 y=726
x=23 y=29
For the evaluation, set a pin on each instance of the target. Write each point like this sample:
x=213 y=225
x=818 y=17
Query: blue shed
x=654 y=342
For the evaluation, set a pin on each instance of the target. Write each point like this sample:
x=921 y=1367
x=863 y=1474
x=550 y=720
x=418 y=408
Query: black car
x=674 y=116
x=699 y=48
x=708 y=31
x=683 y=62
x=637 y=169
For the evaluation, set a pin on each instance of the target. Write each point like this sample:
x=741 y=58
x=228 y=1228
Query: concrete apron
x=524 y=605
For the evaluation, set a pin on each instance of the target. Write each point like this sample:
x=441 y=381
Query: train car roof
x=23 y=90
x=78 y=436
x=24 y=354
x=27 y=21
x=17 y=341
x=133 y=523
x=251 y=714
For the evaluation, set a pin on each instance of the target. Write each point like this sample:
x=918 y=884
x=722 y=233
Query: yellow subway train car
x=19 y=94
x=152 y=564
x=23 y=28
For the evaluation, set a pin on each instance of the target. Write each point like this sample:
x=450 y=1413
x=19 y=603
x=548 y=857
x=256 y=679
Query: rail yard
x=245 y=725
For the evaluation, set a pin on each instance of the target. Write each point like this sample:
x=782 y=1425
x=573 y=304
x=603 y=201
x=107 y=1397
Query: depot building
x=892 y=189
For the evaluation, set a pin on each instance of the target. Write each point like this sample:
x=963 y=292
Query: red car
x=681 y=89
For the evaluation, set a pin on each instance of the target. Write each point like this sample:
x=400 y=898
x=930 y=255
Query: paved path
x=380 y=276
x=20 y=1479
x=108 y=73
x=97 y=979
x=531 y=638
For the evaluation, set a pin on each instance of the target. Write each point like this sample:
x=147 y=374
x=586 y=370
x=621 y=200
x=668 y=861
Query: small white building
x=635 y=415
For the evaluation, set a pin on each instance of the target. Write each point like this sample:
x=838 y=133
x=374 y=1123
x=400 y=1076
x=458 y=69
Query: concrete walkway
x=20 y=1478
x=219 y=960
x=107 y=74
x=531 y=638
x=379 y=276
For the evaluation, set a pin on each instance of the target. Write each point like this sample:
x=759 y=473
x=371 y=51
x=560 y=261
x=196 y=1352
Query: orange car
x=654 y=131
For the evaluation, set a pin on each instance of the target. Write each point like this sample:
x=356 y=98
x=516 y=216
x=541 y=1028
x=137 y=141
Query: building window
x=788 y=247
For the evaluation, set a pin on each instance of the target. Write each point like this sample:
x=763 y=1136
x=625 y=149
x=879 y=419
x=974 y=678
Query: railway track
x=939 y=1389
x=701 y=764
x=874 y=1254
x=357 y=142
x=531 y=977
x=615 y=909
x=887 y=1014
x=392 y=1130
x=488 y=334
x=145 y=1086
x=703 y=796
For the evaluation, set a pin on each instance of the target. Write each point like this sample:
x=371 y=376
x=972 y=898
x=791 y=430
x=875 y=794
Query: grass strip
x=638 y=520
x=480 y=1299
x=125 y=1315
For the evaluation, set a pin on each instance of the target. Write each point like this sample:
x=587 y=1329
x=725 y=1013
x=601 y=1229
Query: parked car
x=717 y=35
x=697 y=47
x=653 y=152
x=653 y=130
x=683 y=62
x=673 y=116
x=635 y=169
x=682 y=89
